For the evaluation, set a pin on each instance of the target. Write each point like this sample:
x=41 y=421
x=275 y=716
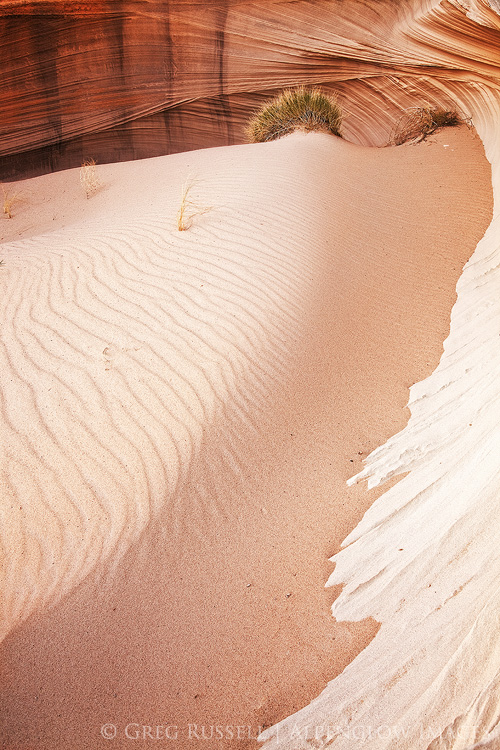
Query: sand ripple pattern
x=118 y=349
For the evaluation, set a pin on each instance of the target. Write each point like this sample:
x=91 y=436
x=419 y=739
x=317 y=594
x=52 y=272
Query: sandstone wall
x=124 y=79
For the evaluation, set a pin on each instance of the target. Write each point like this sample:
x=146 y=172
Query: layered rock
x=117 y=80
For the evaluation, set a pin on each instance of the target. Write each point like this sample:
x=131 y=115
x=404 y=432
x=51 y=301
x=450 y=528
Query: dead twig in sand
x=89 y=178
x=9 y=200
x=416 y=123
x=188 y=208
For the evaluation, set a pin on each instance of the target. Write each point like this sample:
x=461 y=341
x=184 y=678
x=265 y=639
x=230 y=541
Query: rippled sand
x=181 y=412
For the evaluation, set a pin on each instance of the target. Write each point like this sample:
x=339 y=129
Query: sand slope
x=424 y=559
x=181 y=411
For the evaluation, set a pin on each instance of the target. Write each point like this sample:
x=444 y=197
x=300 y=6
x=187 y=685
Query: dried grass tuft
x=188 y=208
x=89 y=178
x=416 y=123
x=9 y=200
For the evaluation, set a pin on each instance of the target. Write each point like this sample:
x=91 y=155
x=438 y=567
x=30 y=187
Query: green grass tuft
x=417 y=123
x=295 y=109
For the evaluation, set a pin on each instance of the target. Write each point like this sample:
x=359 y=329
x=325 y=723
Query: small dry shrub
x=88 y=177
x=416 y=123
x=188 y=208
x=295 y=109
x=9 y=200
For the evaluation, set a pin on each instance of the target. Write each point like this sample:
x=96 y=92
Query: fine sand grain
x=220 y=425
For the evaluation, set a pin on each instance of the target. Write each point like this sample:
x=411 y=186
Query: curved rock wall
x=123 y=79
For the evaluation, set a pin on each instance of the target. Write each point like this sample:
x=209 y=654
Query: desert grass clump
x=89 y=179
x=9 y=200
x=416 y=123
x=188 y=209
x=295 y=109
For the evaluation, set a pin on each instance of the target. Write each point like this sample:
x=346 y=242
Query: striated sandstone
x=117 y=80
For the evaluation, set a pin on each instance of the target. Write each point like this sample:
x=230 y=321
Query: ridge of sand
x=181 y=413
x=424 y=559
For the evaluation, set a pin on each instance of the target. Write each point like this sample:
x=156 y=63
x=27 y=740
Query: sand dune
x=181 y=413
x=423 y=561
